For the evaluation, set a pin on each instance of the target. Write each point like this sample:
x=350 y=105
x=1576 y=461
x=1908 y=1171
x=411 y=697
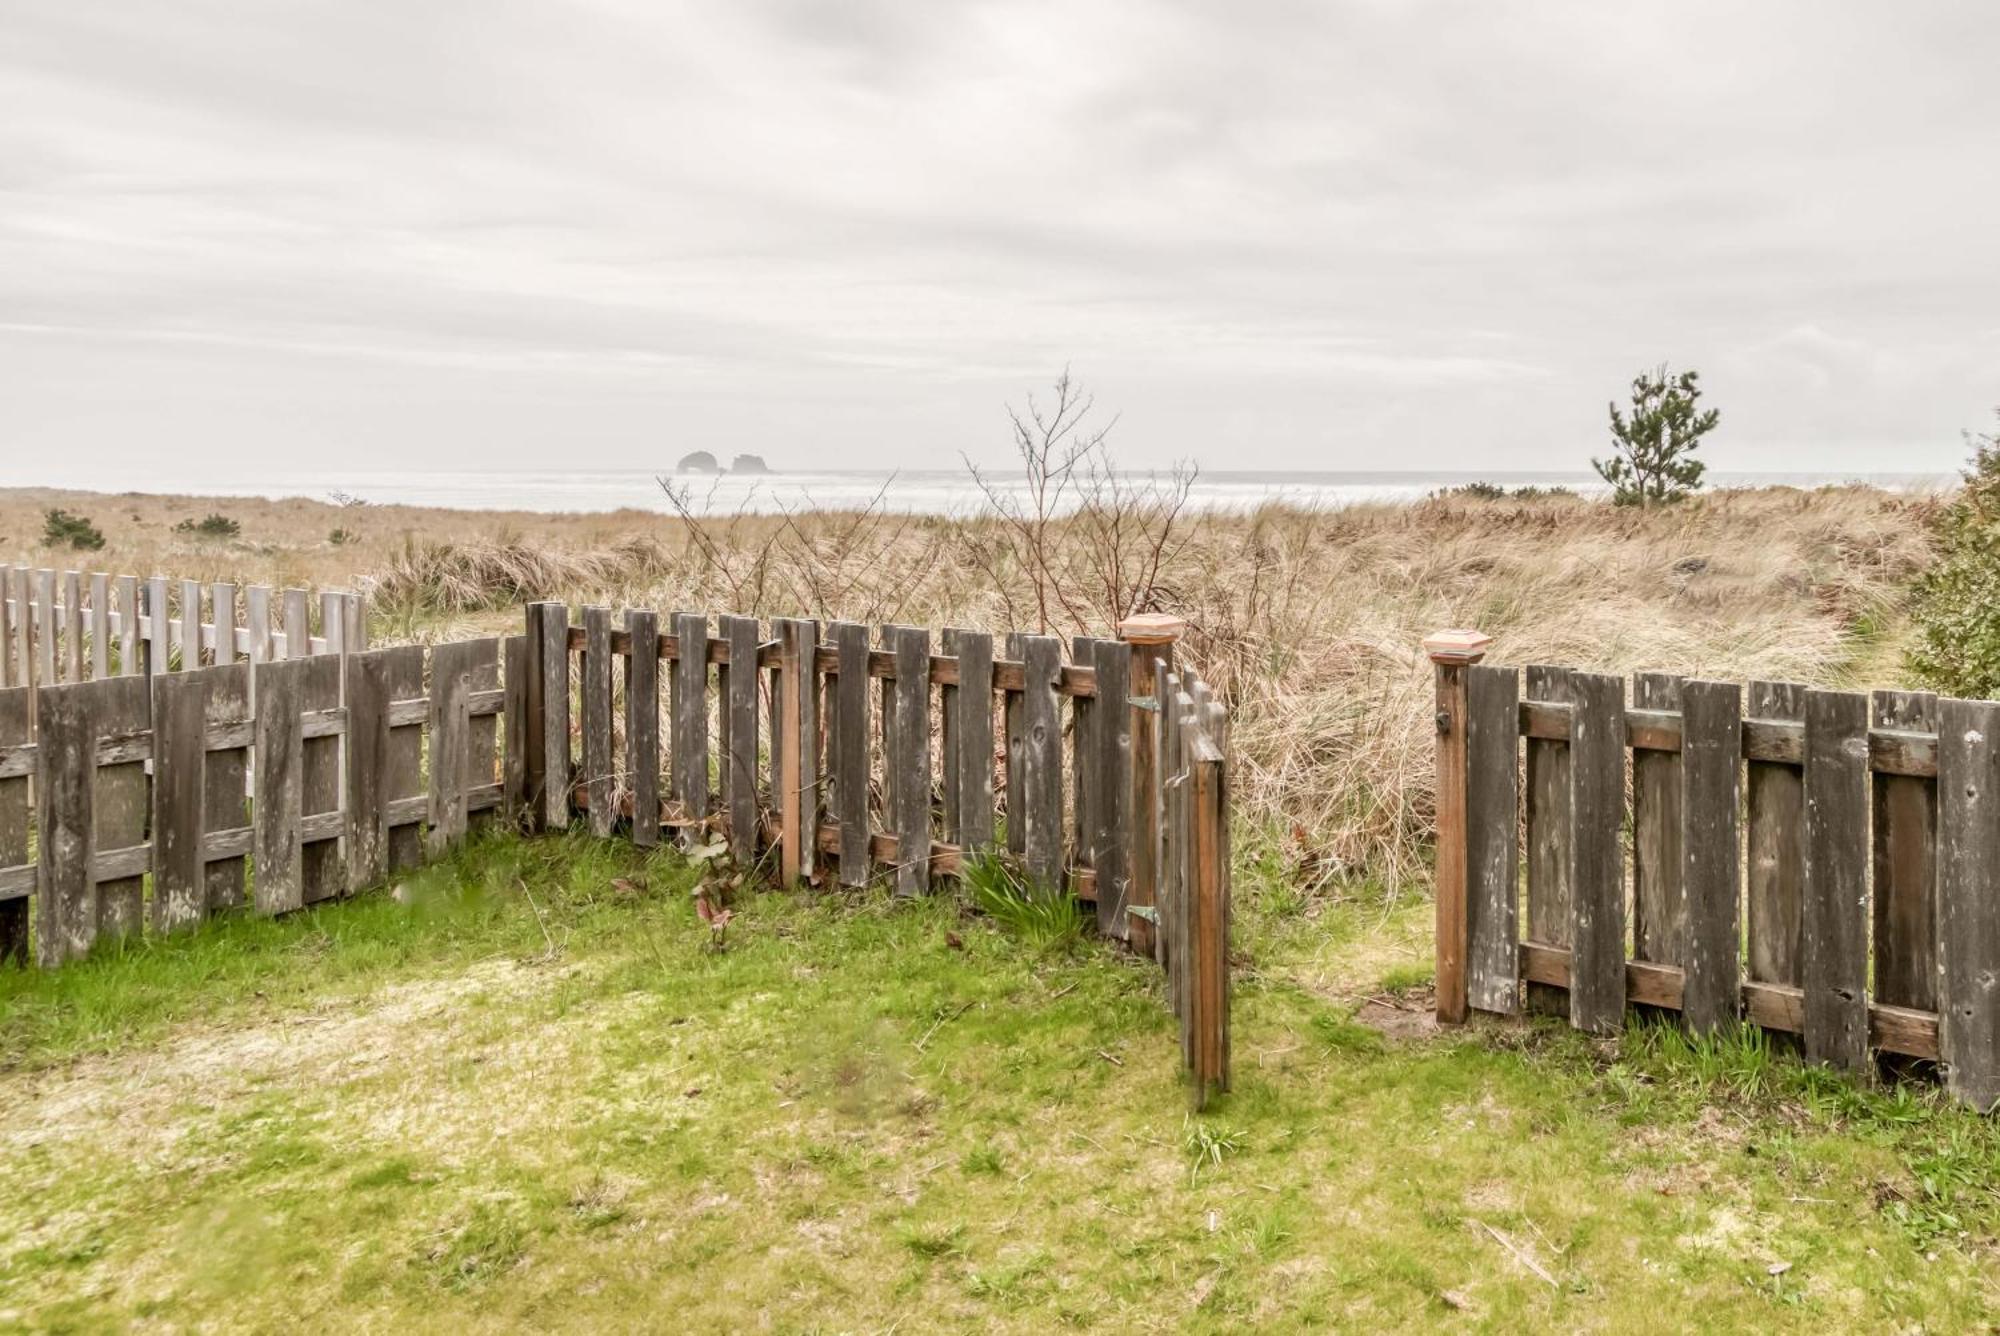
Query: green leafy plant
x=1207 y=1146
x=1957 y=604
x=1653 y=459
x=62 y=529
x=1045 y=917
x=210 y=526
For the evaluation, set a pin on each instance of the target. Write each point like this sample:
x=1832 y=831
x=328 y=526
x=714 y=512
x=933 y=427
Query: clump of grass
x=60 y=528
x=210 y=526
x=1207 y=1146
x=440 y=576
x=1048 y=919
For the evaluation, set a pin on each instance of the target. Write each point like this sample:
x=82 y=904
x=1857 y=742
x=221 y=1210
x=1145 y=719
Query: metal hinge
x=1144 y=703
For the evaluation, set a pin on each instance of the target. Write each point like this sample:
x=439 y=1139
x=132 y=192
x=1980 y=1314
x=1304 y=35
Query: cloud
x=1305 y=234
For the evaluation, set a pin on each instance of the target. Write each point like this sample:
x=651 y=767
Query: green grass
x=529 y=1094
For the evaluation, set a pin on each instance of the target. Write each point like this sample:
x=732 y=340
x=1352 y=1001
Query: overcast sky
x=1321 y=235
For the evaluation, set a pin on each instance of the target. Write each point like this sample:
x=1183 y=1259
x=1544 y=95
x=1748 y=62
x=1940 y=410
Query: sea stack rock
x=699 y=462
x=749 y=464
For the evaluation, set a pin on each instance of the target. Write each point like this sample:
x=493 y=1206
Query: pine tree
x=1957 y=604
x=1654 y=458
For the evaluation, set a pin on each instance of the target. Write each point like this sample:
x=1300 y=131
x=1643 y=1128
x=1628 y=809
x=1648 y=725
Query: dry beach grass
x=1309 y=622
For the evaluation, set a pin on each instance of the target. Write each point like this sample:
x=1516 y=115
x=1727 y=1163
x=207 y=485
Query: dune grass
x=528 y=1092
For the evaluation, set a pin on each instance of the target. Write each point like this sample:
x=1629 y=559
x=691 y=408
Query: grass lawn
x=526 y=1093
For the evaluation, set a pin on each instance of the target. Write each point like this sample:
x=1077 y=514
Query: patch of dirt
x=1403 y=1016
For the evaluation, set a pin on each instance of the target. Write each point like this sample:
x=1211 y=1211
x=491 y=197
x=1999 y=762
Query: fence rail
x=146 y=802
x=1820 y=863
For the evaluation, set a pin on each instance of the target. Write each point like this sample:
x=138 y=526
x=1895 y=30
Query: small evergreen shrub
x=210 y=526
x=62 y=529
x=1957 y=604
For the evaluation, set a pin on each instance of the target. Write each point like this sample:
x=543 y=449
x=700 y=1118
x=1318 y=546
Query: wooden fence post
x=1452 y=652
x=1152 y=636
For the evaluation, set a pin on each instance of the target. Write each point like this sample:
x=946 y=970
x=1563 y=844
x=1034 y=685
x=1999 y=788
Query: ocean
x=928 y=491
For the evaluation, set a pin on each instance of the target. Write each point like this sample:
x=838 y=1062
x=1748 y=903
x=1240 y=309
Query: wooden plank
x=180 y=758
x=14 y=816
x=514 y=732
x=451 y=683
x=131 y=660
x=482 y=727
x=1775 y=868
x=642 y=725
x=690 y=741
x=1082 y=759
x=225 y=777
x=222 y=603
x=1659 y=909
x=1041 y=762
x=849 y=746
x=1111 y=773
x=554 y=714
x=298 y=623
x=1711 y=796
x=1834 y=947
x=368 y=698
x=278 y=881
x=1492 y=825
x=594 y=694
x=1211 y=938
x=72 y=619
x=1548 y=835
x=323 y=872
x=795 y=750
x=121 y=803
x=1968 y=912
x=65 y=761
x=189 y=626
x=1451 y=876
x=907 y=756
x=1597 y=874
x=47 y=621
x=1904 y=819
x=739 y=706
x=969 y=766
x=100 y=626
x=1016 y=744
x=6 y=625
x=257 y=608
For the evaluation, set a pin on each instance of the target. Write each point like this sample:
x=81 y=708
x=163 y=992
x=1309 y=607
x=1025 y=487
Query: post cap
x=1151 y=628
x=1457 y=646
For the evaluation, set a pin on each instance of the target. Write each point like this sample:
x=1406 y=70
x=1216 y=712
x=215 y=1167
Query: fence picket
x=1834 y=955
x=1659 y=897
x=1968 y=913
x=14 y=822
x=450 y=721
x=1597 y=875
x=850 y=750
x=594 y=696
x=690 y=703
x=403 y=770
x=1775 y=868
x=180 y=757
x=72 y=620
x=968 y=773
x=368 y=700
x=1492 y=825
x=737 y=694
x=65 y=759
x=553 y=700
x=1110 y=835
x=642 y=725
x=907 y=757
x=1904 y=810
x=120 y=799
x=225 y=775
x=1711 y=757
x=323 y=874
x=1041 y=761
x=1548 y=836
x=795 y=750
x=279 y=689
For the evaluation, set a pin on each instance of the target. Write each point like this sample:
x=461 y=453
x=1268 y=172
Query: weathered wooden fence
x=146 y=802
x=839 y=754
x=75 y=626
x=1822 y=863
x=159 y=800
